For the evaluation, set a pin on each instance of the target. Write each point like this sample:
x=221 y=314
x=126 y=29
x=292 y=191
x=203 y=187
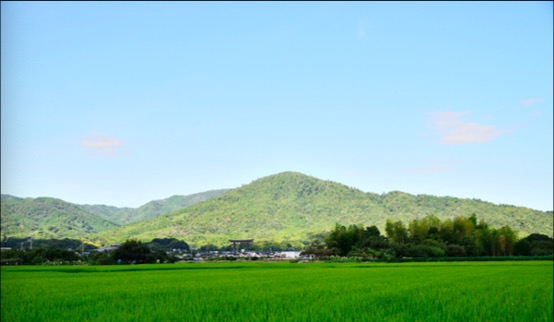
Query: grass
x=484 y=291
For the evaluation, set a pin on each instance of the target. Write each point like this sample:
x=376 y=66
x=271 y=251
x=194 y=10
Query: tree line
x=131 y=251
x=420 y=238
x=430 y=237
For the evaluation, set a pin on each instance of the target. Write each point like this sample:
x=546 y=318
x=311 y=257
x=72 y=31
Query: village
x=175 y=251
x=241 y=250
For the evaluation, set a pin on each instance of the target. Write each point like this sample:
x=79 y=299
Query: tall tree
x=397 y=232
x=507 y=239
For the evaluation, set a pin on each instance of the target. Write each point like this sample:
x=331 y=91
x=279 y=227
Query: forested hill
x=48 y=218
x=55 y=218
x=292 y=207
x=151 y=209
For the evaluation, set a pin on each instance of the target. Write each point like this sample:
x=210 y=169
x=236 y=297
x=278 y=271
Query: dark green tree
x=318 y=250
x=534 y=245
x=133 y=251
x=340 y=240
x=371 y=239
x=167 y=244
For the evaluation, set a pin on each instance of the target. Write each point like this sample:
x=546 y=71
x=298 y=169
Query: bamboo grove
x=430 y=237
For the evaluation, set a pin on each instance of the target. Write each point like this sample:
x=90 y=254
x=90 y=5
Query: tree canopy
x=430 y=237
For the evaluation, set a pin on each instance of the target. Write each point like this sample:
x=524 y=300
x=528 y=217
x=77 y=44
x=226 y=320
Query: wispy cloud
x=453 y=130
x=428 y=169
x=530 y=101
x=100 y=143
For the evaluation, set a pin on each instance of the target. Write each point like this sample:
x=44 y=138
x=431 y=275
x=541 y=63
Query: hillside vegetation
x=48 y=218
x=295 y=208
x=54 y=218
x=151 y=209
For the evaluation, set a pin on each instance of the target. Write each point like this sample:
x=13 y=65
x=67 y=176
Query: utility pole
x=31 y=241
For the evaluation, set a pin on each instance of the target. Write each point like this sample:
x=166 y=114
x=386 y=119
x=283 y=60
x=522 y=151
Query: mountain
x=287 y=207
x=48 y=218
x=55 y=218
x=120 y=216
x=295 y=208
x=151 y=209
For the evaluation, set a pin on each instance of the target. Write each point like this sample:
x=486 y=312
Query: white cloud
x=98 y=142
x=453 y=130
x=470 y=133
x=530 y=101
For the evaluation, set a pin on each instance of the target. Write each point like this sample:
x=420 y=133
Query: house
x=107 y=249
x=289 y=254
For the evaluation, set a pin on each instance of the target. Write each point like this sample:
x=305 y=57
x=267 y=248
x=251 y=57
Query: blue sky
x=123 y=103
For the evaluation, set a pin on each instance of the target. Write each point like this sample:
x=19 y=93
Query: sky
x=121 y=103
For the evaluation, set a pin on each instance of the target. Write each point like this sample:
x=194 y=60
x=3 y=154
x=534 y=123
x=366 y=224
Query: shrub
x=456 y=251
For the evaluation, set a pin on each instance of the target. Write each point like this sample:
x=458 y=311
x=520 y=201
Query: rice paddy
x=468 y=291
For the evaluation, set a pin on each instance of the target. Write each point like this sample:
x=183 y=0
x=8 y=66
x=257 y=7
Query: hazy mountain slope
x=151 y=209
x=157 y=207
x=48 y=218
x=9 y=199
x=525 y=220
x=293 y=207
x=111 y=213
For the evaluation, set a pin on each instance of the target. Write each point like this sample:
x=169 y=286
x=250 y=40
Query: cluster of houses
x=280 y=255
x=107 y=249
x=238 y=253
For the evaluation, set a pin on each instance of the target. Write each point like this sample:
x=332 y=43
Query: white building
x=289 y=254
x=107 y=249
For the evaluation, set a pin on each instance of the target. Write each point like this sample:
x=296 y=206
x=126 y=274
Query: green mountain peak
x=287 y=207
x=293 y=207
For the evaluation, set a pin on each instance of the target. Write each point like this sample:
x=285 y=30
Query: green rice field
x=258 y=291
